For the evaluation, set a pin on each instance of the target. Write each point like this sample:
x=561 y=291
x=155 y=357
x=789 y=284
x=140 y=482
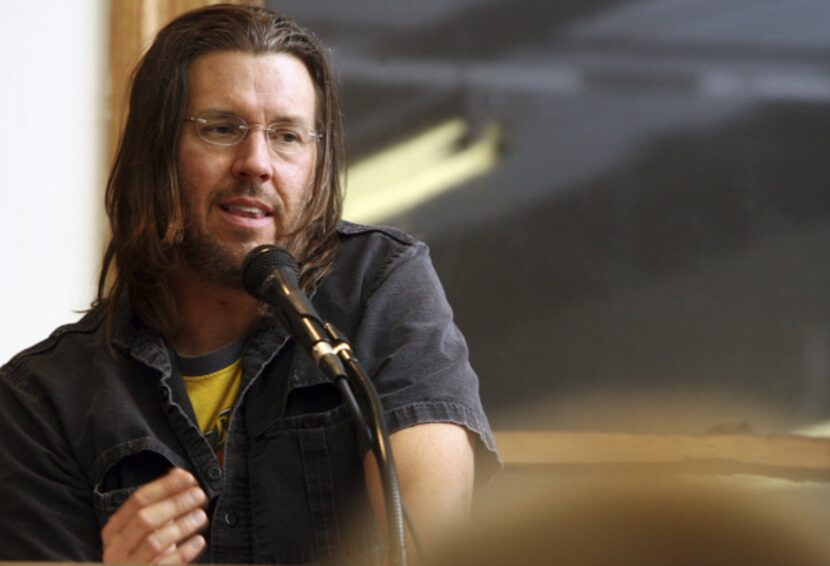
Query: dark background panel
x=651 y=252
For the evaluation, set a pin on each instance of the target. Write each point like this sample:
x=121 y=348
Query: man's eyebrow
x=216 y=111
x=289 y=119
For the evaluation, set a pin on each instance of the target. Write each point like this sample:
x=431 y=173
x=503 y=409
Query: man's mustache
x=252 y=190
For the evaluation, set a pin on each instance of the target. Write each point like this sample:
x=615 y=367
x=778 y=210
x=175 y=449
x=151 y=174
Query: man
x=178 y=419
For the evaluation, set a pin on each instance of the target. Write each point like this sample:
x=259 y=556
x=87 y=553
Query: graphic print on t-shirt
x=212 y=396
x=212 y=383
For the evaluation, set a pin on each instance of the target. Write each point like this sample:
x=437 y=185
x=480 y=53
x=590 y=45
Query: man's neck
x=210 y=315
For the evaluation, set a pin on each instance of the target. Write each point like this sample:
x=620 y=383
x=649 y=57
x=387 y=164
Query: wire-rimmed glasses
x=227 y=129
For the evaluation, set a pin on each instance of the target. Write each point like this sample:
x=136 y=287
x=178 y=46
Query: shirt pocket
x=308 y=493
x=123 y=468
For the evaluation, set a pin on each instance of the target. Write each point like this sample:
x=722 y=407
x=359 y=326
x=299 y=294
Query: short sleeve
x=417 y=356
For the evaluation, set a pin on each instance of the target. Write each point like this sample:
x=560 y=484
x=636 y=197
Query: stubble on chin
x=219 y=261
x=215 y=261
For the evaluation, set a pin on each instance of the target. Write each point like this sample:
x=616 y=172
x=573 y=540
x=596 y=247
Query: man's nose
x=254 y=157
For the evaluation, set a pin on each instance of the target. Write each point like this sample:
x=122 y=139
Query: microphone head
x=261 y=263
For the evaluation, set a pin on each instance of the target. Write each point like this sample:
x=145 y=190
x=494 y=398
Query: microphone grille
x=260 y=264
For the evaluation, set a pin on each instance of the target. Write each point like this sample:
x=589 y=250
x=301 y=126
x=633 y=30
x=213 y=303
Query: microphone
x=269 y=274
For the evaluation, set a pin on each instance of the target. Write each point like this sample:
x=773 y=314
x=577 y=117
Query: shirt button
x=230 y=519
x=214 y=473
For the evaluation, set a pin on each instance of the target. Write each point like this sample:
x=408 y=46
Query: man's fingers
x=166 y=552
x=156 y=545
x=152 y=524
x=149 y=521
x=184 y=553
x=174 y=482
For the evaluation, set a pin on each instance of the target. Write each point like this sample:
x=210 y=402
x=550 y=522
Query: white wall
x=53 y=57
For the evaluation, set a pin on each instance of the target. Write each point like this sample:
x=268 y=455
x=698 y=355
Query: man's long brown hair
x=144 y=196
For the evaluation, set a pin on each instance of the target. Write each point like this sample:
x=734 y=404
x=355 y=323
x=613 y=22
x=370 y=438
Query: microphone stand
x=270 y=275
x=376 y=434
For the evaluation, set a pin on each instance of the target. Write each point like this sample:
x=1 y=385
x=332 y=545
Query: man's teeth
x=246 y=209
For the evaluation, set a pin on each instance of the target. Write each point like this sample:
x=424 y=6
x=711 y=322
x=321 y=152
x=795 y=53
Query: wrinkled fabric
x=84 y=422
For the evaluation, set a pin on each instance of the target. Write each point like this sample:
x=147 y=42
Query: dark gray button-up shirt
x=83 y=424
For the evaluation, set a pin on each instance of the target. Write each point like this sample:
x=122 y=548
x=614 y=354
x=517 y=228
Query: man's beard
x=217 y=262
x=221 y=262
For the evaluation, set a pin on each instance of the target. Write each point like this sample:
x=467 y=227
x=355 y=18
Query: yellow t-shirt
x=212 y=397
x=212 y=383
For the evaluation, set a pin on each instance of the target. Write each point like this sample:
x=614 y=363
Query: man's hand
x=157 y=524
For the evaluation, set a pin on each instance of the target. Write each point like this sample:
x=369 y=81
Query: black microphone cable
x=269 y=274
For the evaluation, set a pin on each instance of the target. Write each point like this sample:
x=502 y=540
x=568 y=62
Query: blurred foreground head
x=642 y=521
